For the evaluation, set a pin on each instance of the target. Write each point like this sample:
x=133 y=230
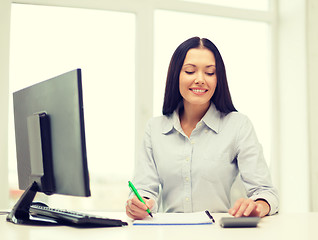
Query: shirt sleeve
x=146 y=179
x=253 y=168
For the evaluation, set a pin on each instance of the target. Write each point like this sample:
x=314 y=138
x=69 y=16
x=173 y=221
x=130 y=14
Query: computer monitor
x=50 y=141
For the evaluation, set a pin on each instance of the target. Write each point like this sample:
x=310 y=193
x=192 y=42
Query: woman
x=192 y=154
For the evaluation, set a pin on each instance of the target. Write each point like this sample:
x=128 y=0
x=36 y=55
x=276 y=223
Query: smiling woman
x=201 y=54
x=199 y=118
x=244 y=46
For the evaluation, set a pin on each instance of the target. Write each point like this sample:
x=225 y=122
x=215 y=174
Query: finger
x=129 y=208
x=150 y=203
x=242 y=208
x=134 y=212
x=129 y=213
x=132 y=208
x=136 y=202
x=251 y=209
x=257 y=211
x=259 y=207
x=236 y=206
x=138 y=208
x=135 y=216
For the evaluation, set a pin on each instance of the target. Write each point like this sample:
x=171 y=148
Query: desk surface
x=281 y=226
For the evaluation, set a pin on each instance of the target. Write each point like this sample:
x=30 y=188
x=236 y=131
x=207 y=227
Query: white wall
x=312 y=57
x=4 y=90
x=292 y=95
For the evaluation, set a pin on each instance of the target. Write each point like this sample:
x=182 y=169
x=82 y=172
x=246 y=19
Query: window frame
x=144 y=11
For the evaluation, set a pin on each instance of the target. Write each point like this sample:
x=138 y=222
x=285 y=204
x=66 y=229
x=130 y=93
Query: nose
x=199 y=79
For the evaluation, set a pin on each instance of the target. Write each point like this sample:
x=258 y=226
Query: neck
x=192 y=114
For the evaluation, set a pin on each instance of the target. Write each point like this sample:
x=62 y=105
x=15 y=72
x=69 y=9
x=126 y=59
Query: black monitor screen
x=60 y=100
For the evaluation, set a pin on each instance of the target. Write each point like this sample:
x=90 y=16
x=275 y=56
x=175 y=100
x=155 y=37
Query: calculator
x=237 y=222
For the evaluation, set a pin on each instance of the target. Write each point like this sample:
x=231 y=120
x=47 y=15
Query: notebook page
x=196 y=218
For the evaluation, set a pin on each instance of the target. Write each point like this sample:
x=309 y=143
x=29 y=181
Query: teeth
x=198 y=90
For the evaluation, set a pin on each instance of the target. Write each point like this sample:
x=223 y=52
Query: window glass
x=48 y=41
x=245 y=48
x=261 y=5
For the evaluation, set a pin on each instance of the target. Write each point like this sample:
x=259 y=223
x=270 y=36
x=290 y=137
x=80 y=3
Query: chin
x=199 y=103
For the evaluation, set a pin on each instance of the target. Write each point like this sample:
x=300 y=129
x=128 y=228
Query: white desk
x=282 y=226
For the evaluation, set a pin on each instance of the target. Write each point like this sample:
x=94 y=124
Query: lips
x=198 y=91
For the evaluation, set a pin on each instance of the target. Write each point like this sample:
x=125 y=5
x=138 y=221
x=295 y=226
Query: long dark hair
x=221 y=97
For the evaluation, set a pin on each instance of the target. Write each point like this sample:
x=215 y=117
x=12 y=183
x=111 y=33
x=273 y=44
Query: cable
x=4 y=212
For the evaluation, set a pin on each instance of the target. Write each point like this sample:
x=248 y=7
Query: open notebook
x=196 y=218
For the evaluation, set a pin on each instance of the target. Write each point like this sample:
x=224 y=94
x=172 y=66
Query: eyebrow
x=190 y=64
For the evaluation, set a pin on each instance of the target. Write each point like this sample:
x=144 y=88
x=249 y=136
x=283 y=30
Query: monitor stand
x=20 y=212
x=41 y=176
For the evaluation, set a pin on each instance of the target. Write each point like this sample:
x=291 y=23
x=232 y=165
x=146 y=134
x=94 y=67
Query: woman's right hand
x=136 y=209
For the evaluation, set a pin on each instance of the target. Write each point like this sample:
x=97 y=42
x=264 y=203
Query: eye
x=210 y=74
x=189 y=72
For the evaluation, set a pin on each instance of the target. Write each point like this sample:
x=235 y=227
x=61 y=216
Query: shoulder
x=242 y=127
x=159 y=123
x=236 y=120
x=159 y=120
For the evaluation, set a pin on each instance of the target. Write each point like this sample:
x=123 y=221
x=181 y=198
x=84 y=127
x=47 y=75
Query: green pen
x=138 y=196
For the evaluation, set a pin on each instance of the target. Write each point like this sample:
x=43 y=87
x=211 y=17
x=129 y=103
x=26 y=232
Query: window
x=103 y=43
x=244 y=4
x=43 y=46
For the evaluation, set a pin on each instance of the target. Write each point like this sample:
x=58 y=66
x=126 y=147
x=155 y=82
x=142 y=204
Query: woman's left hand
x=249 y=208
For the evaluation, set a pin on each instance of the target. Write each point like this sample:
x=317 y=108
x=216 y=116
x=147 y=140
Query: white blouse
x=197 y=173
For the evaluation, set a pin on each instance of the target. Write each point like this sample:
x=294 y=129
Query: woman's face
x=197 y=81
